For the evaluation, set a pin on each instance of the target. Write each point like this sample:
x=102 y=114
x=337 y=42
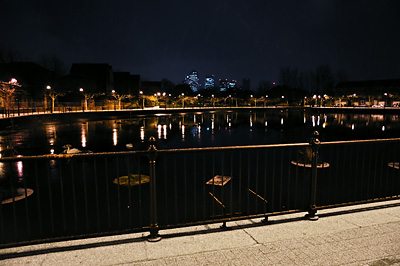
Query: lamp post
x=85 y=104
x=52 y=96
x=141 y=96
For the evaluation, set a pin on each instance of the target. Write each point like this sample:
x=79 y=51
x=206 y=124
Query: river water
x=196 y=129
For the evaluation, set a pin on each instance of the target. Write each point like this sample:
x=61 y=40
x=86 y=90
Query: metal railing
x=46 y=198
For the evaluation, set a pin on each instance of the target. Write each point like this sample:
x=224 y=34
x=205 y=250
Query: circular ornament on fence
x=131 y=180
x=19 y=195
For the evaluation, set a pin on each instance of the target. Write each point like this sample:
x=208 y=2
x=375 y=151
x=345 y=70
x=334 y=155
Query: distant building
x=93 y=77
x=223 y=84
x=193 y=80
x=135 y=84
x=232 y=84
x=125 y=83
x=209 y=82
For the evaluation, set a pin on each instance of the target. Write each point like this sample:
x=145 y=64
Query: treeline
x=321 y=80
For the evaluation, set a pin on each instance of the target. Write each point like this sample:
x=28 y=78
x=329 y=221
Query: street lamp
x=141 y=95
x=52 y=97
x=85 y=104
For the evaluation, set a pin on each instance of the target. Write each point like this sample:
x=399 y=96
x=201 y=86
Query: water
x=200 y=129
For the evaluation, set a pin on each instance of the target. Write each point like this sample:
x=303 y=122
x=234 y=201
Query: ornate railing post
x=315 y=147
x=152 y=155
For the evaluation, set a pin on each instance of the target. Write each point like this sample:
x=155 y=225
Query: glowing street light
x=85 y=104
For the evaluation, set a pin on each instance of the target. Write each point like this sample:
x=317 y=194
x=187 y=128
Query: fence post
x=315 y=147
x=152 y=155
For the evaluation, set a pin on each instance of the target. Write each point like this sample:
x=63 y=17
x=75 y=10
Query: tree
x=53 y=96
x=8 y=55
x=323 y=79
x=89 y=95
x=289 y=77
x=8 y=90
x=119 y=97
x=263 y=87
x=54 y=64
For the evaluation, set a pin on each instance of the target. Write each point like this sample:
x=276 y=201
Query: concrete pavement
x=359 y=235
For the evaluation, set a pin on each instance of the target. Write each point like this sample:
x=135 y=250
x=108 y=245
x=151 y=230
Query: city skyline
x=229 y=39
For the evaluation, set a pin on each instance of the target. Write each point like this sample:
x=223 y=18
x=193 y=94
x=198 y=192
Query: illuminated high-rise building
x=223 y=84
x=209 y=82
x=232 y=84
x=193 y=80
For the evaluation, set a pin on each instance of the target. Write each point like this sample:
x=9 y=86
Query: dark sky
x=232 y=39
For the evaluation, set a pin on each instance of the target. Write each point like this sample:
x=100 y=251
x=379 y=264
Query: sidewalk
x=360 y=235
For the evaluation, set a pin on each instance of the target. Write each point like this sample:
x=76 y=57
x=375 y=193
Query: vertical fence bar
x=175 y=191
x=62 y=198
x=13 y=194
x=288 y=183
x=185 y=188
x=107 y=193
x=222 y=189
x=204 y=186
x=28 y=224
x=140 y=191
x=240 y=180
x=96 y=193
x=273 y=182
x=281 y=182
x=38 y=199
x=356 y=174
x=50 y=198
x=248 y=181
x=118 y=195
x=195 y=187
x=85 y=194
x=375 y=168
x=129 y=191
x=152 y=155
x=315 y=146
x=257 y=177
x=231 y=184
x=74 y=196
x=166 y=191
x=265 y=183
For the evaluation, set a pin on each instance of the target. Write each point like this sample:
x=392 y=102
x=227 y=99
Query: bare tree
x=289 y=77
x=324 y=80
x=53 y=94
x=119 y=97
x=9 y=55
x=54 y=64
x=8 y=90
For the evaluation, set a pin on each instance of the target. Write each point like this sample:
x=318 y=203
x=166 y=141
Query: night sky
x=232 y=39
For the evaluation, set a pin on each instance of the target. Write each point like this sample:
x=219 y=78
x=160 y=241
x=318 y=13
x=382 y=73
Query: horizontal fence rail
x=53 y=197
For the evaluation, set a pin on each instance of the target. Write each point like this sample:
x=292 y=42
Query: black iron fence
x=64 y=196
